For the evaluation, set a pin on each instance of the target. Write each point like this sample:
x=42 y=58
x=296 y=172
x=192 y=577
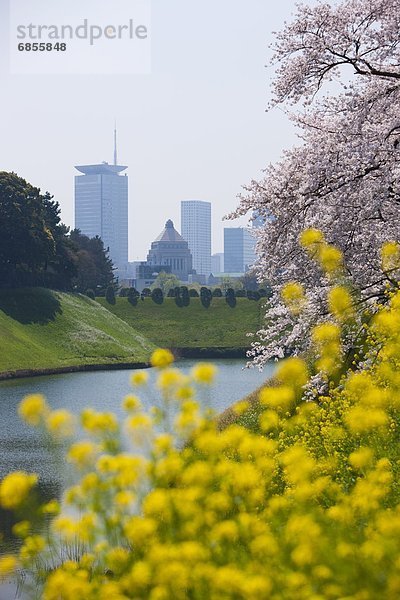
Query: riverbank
x=24 y=373
x=44 y=332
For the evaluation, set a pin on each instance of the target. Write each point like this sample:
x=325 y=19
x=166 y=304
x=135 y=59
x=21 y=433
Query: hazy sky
x=195 y=128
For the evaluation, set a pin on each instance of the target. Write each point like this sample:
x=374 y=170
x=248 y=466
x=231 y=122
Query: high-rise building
x=217 y=263
x=101 y=207
x=196 y=230
x=239 y=246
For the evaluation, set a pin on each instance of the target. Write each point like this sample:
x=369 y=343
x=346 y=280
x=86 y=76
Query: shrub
x=157 y=296
x=110 y=295
x=253 y=295
x=193 y=293
x=230 y=297
x=217 y=293
x=90 y=294
x=178 y=297
x=185 y=295
x=133 y=296
x=205 y=297
x=240 y=293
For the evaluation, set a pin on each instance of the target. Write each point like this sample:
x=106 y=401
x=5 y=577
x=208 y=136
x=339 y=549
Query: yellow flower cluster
x=295 y=500
x=293 y=296
x=15 y=488
x=329 y=258
x=390 y=255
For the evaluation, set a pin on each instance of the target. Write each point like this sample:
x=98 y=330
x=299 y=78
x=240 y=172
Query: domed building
x=169 y=249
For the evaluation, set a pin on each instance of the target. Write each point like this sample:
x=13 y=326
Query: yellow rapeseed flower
x=361 y=458
x=21 y=529
x=31 y=547
x=281 y=397
x=15 y=487
x=311 y=237
x=139 y=378
x=8 y=565
x=390 y=255
x=330 y=259
x=33 y=409
x=293 y=372
x=204 y=373
x=83 y=454
x=340 y=303
x=60 y=423
x=131 y=403
x=162 y=358
x=293 y=296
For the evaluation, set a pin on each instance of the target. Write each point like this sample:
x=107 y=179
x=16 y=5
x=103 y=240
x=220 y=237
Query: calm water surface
x=23 y=448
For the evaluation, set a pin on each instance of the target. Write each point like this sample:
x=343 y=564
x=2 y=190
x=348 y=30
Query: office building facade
x=196 y=230
x=217 y=263
x=239 y=245
x=101 y=208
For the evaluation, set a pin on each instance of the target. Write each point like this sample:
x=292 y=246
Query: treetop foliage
x=343 y=179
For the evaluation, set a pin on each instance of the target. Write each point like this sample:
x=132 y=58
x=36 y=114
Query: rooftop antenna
x=115 y=143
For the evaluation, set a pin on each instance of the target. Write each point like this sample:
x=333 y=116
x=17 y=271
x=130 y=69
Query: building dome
x=171 y=250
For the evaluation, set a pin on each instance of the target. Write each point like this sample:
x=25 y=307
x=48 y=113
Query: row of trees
x=168 y=282
x=37 y=249
x=182 y=295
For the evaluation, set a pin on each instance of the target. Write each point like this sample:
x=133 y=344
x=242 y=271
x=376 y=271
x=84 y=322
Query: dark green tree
x=178 y=297
x=33 y=245
x=94 y=267
x=157 y=296
x=133 y=296
x=230 y=297
x=217 y=293
x=193 y=293
x=253 y=295
x=185 y=295
x=205 y=297
x=110 y=295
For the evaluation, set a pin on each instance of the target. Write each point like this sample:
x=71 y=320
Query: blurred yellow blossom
x=204 y=373
x=33 y=409
x=161 y=358
x=15 y=488
x=139 y=378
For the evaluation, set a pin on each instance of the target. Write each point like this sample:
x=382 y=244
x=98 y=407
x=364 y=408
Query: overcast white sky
x=195 y=128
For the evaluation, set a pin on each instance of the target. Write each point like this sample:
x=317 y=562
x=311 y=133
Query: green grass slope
x=41 y=329
x=194 y=326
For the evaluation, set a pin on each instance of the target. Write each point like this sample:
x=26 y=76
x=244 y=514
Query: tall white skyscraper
x=101 y=207
x=196 y=230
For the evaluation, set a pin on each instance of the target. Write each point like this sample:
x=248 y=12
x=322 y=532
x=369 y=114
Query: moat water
x=22 y=448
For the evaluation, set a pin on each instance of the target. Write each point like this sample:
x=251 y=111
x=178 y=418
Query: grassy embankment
x=45 y=330
x=189 y=328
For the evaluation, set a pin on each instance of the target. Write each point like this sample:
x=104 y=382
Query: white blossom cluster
x=343 y=178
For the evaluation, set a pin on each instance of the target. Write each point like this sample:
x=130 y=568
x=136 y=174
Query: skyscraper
x=101 y=207
x=239 y=253
x=196 y=230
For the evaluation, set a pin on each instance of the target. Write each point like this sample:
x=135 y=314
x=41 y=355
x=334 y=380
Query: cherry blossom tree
x=343 y=178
